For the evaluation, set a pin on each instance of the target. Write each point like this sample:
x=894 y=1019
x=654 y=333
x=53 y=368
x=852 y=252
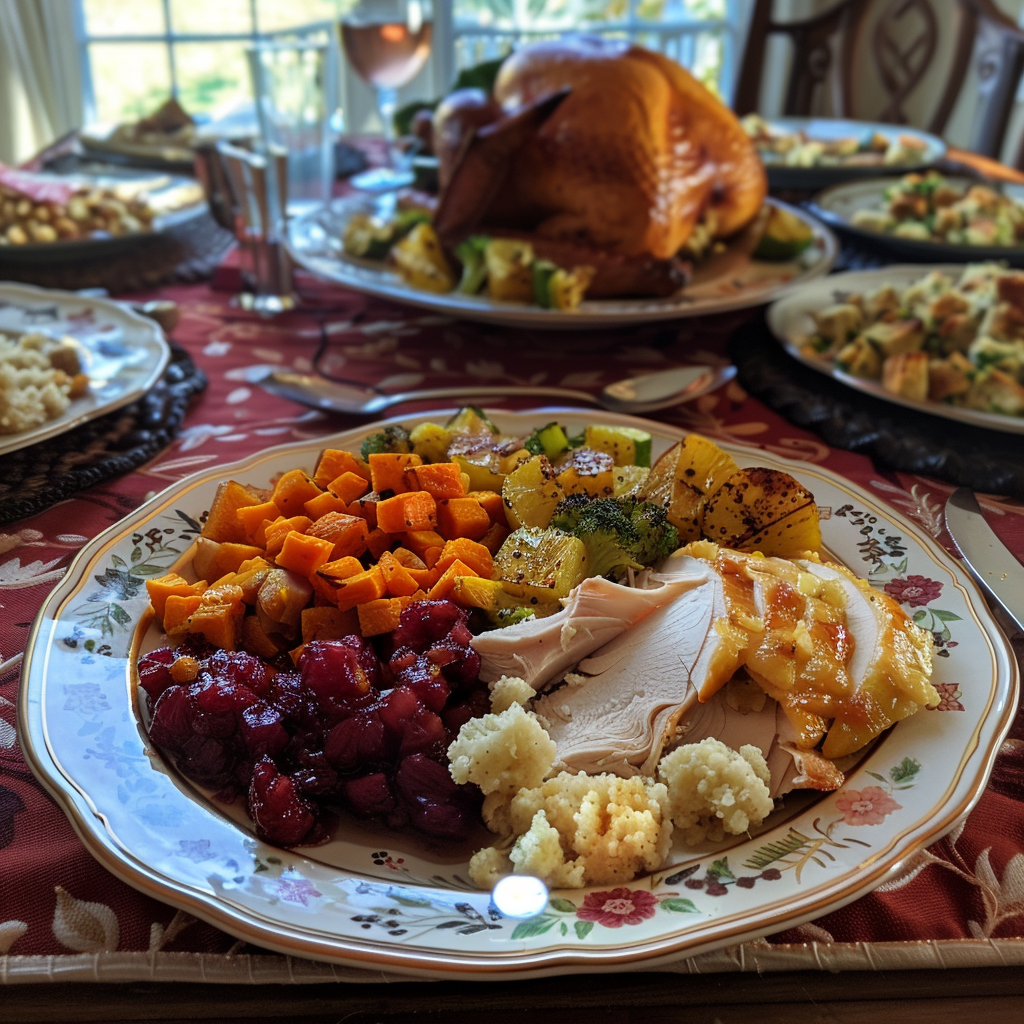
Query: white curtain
x=40 y=79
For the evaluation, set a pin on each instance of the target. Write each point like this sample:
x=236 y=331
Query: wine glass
x=387 y=42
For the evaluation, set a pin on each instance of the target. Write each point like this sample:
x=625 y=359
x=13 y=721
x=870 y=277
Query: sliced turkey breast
x=597 y=611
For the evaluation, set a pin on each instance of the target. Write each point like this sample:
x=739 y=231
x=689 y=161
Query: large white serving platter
x=392 y=902
x=729 y=280
x=838 y=205
x=124 y=353
x=790 y=321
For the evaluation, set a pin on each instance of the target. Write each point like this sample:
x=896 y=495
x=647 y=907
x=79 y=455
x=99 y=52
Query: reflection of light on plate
x=520 y=896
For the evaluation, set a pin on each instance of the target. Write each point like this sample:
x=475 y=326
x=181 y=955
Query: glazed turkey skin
x=632 y=159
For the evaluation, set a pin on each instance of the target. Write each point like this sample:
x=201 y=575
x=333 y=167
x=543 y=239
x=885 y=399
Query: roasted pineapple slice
x=486 y=458
x=509 y=270
x=586 y=471
x=430 y=441
x=684 y=478
x=541 y=564
x=629 y=480
x=501 y=607
x=421 y=260
x=763 y=510
x=530 y=493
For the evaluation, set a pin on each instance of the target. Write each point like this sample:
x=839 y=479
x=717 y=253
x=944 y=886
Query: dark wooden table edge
x=566 y=998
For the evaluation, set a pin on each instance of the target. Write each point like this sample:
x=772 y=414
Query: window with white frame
x=134 y=55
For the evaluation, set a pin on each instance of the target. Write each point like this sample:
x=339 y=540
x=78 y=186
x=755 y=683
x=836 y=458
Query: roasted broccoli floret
x=618 y=533
x=390 y=439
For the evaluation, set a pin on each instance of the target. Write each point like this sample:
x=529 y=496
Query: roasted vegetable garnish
x=421 y=260
x=509 y=270
x=684 y=477
x=391 y=439
x=763 y=510
x=619 y=533
x=531 y=492
x=541 y=563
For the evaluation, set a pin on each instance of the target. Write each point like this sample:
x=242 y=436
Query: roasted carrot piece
x=381 y=616
x=222 y=519
x=292 y=491
x=387 y=471
x=349 y=486
x=275 y=532
x=212 y=559
x=443 y=587
x=171 y=584
x=177 y=609
x=470 y=553
x=219 y=617
x=462 y=517
x=323 y=503
x=418 y=541
x=413 y=510
x=491 y=503
x=327 y=580
x=346 y=532
x=328 y=623
x=341 y=568
x=396 y=577
x=441 y=479
x=253 y=518
x=334 y=461
x=356 y=590
x=303 y=553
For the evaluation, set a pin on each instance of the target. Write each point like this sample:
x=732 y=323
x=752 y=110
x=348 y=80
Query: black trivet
x=895 y=437
x=34 y=478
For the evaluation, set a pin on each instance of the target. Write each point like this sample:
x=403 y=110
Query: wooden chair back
x=899 y=41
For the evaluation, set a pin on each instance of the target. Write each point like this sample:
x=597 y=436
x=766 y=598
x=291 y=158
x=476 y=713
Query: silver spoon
x=635 y=394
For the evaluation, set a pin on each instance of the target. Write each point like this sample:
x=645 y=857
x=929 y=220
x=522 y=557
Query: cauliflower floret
x=509 y=690
x=714 y=789
x=538 y=851
x=502 y=753
x=608 y=829
x=488 y=866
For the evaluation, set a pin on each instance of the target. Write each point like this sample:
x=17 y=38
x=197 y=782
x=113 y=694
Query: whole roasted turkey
x=595 y=148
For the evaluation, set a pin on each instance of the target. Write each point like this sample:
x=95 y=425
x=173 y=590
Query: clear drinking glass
x=294 y=87
x=387 y=42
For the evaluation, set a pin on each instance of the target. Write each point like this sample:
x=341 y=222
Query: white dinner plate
x=837 y=206
x=388 y=901
x=729 y=280
x=828 y=129
x=791 y=322
x=164 y=187
x=124 y=353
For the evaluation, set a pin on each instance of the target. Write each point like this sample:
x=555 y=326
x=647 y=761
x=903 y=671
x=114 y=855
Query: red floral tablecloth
x=62 y=916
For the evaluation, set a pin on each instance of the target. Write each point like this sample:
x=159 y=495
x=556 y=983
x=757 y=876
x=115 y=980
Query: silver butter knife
x=987 y=557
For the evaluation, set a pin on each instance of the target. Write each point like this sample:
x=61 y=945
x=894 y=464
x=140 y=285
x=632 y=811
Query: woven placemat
x=34 y=478
x=189 y=252
x=895 y=437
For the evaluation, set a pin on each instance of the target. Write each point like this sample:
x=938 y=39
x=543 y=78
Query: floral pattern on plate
x=400 y=904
